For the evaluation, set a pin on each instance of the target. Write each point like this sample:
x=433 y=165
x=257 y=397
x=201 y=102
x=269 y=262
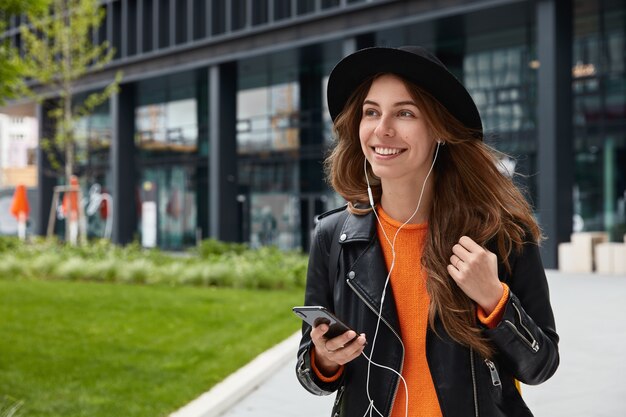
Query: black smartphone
x=316 y=315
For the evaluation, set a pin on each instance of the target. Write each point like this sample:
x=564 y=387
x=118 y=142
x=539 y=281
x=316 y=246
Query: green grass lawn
x=92 y=349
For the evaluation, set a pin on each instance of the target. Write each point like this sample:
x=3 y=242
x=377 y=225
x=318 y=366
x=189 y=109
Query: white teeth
x=387 y=151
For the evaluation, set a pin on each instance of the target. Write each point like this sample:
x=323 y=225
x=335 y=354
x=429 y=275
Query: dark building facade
x=221 y=121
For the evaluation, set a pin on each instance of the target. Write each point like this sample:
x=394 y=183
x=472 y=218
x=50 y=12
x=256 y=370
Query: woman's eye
x=370 y=112
x=405 y=113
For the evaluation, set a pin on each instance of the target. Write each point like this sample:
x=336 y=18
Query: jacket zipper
x=371 y=307
x=337 y=401
x=495 y=377
x=532 y=343
x=474 y=382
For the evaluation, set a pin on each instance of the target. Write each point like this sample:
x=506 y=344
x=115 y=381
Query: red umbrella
x=70 y=200
x=20 y=209
x=19 y=206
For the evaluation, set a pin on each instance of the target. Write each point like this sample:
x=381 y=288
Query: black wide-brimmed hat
x=412 y=63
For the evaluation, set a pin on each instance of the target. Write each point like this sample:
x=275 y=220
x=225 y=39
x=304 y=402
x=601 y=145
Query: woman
x=434 y=262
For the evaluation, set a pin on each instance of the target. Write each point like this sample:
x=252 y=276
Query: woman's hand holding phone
x=330 y=354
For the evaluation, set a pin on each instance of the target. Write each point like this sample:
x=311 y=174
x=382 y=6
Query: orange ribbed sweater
x=408 y=282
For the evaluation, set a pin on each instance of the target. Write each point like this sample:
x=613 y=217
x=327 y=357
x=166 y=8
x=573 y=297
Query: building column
x=122 y=161
x=202 y=170
x=223 y=209
x=46 y=177
x=311 y=123
x=554 y=124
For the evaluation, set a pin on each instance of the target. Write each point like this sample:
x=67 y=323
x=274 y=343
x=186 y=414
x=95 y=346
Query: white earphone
x=382 y=300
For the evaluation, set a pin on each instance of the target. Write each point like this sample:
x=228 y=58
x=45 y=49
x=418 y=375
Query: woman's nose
x=384 y=128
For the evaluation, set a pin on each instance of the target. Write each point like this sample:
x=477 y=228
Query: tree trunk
x=71 y=220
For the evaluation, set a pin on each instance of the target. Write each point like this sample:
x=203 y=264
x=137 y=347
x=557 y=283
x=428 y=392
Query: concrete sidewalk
x=590 y=315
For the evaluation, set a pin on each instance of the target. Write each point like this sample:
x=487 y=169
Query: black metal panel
x=116 y=29
x=554 y=119
x=123 y=165
x=162 y=29
x=224 y=216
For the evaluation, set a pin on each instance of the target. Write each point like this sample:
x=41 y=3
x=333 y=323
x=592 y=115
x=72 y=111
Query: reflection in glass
x=496 y=80
x=274 y=220
x=93 y=139
x=168 y=126
x=599 y=87
x=173 y=191
x=267 y=118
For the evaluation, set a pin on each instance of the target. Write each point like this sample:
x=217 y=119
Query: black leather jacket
x=466 y=384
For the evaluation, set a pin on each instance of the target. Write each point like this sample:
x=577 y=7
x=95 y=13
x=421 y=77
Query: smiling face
x=393 y=132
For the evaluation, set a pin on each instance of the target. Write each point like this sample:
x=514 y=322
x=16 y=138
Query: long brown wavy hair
x=471 y=197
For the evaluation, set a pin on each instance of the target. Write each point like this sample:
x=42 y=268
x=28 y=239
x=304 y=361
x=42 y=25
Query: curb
x=239 y=384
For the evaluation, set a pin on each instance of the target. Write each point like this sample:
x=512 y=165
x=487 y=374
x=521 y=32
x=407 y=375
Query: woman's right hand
x=330 y=354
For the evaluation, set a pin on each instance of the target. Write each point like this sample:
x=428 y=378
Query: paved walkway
x=590 y=314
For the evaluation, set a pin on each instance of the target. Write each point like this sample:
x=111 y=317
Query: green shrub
x=136 y=271
x=194 y=274
x=102 y=270
x=12 y=267
x=73 y=269
x=211 y=247
x=212 y=264
x=44 y=264
x=9 y=243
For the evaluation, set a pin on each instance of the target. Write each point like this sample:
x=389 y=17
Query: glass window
x=496 y=79
x=172 y=186
x=599 y=87
x=101 y=32
x=616 y=98
x=267 y=118
x=116 y=36
x=131 y=28
x=147 y=26
x=253 y=127
x=306 y=6
x=181 y=22
x=271 y=204
x=173 y=191
x=199 y=19
x=282 y=9
x=93 y=138
x=616 y=48
x=218 y=17
x=259 y=12
x=164 y=23
x=328 y=4
x=166 y=117
x=239 y=13
x=268 y=141
x=171 y=123
x=93 y=144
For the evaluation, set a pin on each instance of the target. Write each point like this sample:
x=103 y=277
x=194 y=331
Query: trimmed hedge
x=212 y=263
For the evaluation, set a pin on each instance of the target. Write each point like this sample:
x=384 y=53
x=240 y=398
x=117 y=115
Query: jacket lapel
x=365 y=266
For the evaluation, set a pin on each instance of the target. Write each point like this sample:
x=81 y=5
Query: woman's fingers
x=339 y=350
x=343 y=354
x=475 y=270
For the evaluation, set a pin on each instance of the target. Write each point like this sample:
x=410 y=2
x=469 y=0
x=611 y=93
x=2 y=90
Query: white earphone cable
x=393 y=262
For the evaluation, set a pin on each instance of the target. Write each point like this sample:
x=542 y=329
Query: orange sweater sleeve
x=321 y=376
x=495 y=317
